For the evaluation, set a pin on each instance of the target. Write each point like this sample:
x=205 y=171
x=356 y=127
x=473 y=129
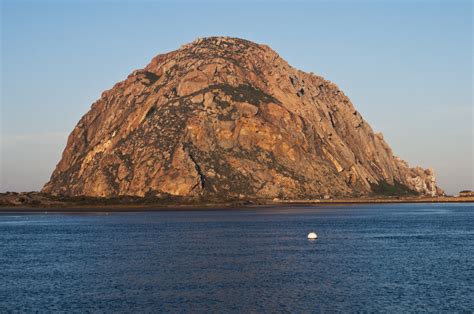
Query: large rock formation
x=225 y=117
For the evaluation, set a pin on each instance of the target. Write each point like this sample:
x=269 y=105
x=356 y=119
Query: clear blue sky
x=406 y=65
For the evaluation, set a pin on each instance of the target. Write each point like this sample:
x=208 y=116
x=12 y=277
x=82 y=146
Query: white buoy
x=312 y=236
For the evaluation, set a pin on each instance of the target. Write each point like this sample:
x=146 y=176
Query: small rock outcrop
x=228 y=118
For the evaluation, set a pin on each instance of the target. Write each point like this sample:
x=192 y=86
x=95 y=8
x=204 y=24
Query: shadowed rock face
x=226 y=117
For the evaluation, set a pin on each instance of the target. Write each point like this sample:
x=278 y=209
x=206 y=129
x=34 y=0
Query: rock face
x=228 y=118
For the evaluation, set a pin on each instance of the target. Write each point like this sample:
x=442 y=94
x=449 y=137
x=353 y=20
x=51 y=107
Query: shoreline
x=211 y=206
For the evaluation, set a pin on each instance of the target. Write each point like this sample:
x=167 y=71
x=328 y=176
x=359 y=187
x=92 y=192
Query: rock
x=183 y=177
x=227 y=118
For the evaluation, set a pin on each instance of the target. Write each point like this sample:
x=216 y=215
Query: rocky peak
x=225 y=117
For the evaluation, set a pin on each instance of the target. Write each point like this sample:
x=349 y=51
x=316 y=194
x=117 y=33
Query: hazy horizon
x=406 y=66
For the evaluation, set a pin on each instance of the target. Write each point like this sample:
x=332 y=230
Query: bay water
x=391 y=258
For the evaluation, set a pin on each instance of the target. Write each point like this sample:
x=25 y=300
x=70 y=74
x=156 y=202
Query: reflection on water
x=368 y=257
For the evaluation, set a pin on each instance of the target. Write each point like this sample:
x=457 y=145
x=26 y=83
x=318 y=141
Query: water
x=368 y=257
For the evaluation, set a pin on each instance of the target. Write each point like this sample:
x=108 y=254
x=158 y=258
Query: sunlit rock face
x=228 y=118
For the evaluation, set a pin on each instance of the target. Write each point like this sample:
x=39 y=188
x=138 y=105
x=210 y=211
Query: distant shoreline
x=87 y=207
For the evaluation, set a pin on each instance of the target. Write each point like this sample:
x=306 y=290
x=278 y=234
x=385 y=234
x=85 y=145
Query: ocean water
x=391 y=258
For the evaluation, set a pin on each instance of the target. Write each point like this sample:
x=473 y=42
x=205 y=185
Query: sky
x=406 y=65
